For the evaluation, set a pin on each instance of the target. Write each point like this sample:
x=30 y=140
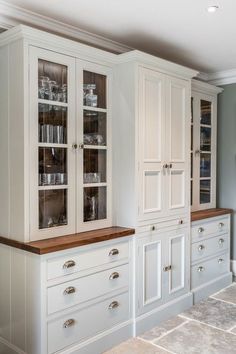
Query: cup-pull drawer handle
x=221 y=224
x=69 y=323
x=69 y=264
x=167 y=268
x=114 y=275
x=114 y=252
x=69 y=290
x=113 y=305
x=200 y=269
x=201 y=248
x=200 y=230
x=220 y=260
x=221 y=241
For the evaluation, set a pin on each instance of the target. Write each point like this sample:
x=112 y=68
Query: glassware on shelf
x=93 y=139
x=95 y=207
x=51 y=134
x=90 y=99
x=95 y=165
x=205 y=191
x=49 y=179
x=92 y=177
x=205 y=112
x=52 y=208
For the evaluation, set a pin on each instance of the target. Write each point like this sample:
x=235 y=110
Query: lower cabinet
x=162 y=268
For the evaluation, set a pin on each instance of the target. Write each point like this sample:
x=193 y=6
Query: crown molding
x=11 y=15
x=225 y=77
x=203 y=87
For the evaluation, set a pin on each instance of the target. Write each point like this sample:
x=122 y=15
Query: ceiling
x=179 y=30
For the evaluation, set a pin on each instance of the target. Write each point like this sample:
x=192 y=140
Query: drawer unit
x=206 y=271
x=82 y=260
x=202 y=230
x=86 y=288
x=209 y=247
x=78 y=326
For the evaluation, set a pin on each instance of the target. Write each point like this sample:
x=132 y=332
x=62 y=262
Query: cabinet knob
x=81 y=146
x=200 y=230
x=197 y=152
x=69 y=264
x=181 y=222
x=167 y=268
x=220 y=260
x=69 y=323
x=221 y=224
x=113 y=305
x=114 y=252
x=165 y=165
x=153 y=228
x=201 y=248
x=69 y=290
x=221 y=241
x=74 y=146
x=200 y=269
x=170 y=165
x=114 y=275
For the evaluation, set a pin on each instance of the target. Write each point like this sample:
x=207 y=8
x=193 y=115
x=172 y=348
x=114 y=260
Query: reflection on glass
x=95 y=128
x=52 y=81
x=95 y=203
x=52 y=124
x=94 y=166
x=52 y=208
x=205 y=165
x=52 y=166
x=205 y=139
x=94 y=90
x=205 y=112
x=205 y=191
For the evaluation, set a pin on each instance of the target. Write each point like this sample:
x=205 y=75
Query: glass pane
x=95 y=203
x=52 y=166
x=205 y=139
x=95 y=128
x=52 y=81
x=52 y=124
x=205 y=112
x=94 y=90
x=94 y=166
x=52 y=208
x=205 y=191
x=205 y=165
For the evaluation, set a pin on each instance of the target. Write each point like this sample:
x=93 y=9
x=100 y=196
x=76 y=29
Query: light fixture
x=212 y=8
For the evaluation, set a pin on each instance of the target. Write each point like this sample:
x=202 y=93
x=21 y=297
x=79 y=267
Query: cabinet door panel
x=151 y=144
x=176 y=188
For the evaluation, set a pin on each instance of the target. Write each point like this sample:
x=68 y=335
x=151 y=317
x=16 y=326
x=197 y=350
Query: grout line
x=155 y=345
x=227 y=302
x=170 y=331
x=229 y=330
x=206 y=324
x=220 y=291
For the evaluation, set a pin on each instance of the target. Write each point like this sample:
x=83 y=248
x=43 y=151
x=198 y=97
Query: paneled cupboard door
x=52 y=135
x=151 y=144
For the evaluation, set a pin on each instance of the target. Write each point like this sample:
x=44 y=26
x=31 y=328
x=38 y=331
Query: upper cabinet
x=203 y=145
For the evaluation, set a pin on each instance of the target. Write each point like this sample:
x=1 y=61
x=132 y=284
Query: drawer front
x=208 y=227
x=82 y=260
x=74 y=292
x=78 y=326
x=209 y=247
x=206 y=271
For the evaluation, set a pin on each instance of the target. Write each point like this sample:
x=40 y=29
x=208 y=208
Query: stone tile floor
x=209 y=327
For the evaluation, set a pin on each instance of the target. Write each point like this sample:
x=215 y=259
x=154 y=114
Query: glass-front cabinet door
x=203 y=152
x=52 y=134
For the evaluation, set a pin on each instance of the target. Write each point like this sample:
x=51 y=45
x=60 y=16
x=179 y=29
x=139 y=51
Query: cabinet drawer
x=83 y=260
x=206 y=271
x=87 y=322
x=211 y=226
x=72 y=293
x=209 y=247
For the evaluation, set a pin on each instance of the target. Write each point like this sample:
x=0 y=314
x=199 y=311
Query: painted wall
x=226 y=155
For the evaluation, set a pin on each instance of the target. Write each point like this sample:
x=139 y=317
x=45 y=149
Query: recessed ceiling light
x=213 y=8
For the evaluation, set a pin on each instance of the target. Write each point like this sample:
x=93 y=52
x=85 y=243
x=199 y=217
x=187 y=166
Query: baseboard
x=202 y=292
x=233 y=267
x=155 y=317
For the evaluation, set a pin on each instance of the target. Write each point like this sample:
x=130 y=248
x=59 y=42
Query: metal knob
x=114 y=252
x=114 y=275
x=200 y=230
x=221 y=224
x=197 y=152
x=170 y=165
x=113 y=305
x=220 y=260
x=167 y=268
x=221 y=241
x=165 y=165
x=200 y=269
x=74 y=146
x=153 y=228
x=81 y=146
x=69 y=264
x=201 y=248
x=181 y=222
x=69 y=323
x=69 y=290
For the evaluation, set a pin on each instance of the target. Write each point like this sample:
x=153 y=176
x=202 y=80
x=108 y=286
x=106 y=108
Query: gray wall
x=226 y=155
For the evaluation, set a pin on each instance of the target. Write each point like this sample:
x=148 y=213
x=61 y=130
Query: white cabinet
x=203 y=145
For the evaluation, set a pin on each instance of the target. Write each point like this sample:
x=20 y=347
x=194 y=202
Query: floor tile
x=233 y=330
x=136 y=346
x=213 y=312
x=166 y=326
x=228 y=294
x=196 y=338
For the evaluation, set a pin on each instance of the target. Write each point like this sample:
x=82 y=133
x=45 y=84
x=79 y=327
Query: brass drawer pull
x=221 y=224
x=201 y=248
x=167 y=268
x=200 y=230
x=220 y=260
x=69 y=290
x=114 y=275
x=69 y=323
x=69 y=264
x=200 y=269
x=113 y=305
x=114 y=252
x=221 y=241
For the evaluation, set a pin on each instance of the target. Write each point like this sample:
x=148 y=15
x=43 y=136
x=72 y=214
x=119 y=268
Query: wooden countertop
x=69 y=241
x=209 y=213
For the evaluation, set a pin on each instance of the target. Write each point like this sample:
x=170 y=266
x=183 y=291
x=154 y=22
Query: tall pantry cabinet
x=151 y=169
